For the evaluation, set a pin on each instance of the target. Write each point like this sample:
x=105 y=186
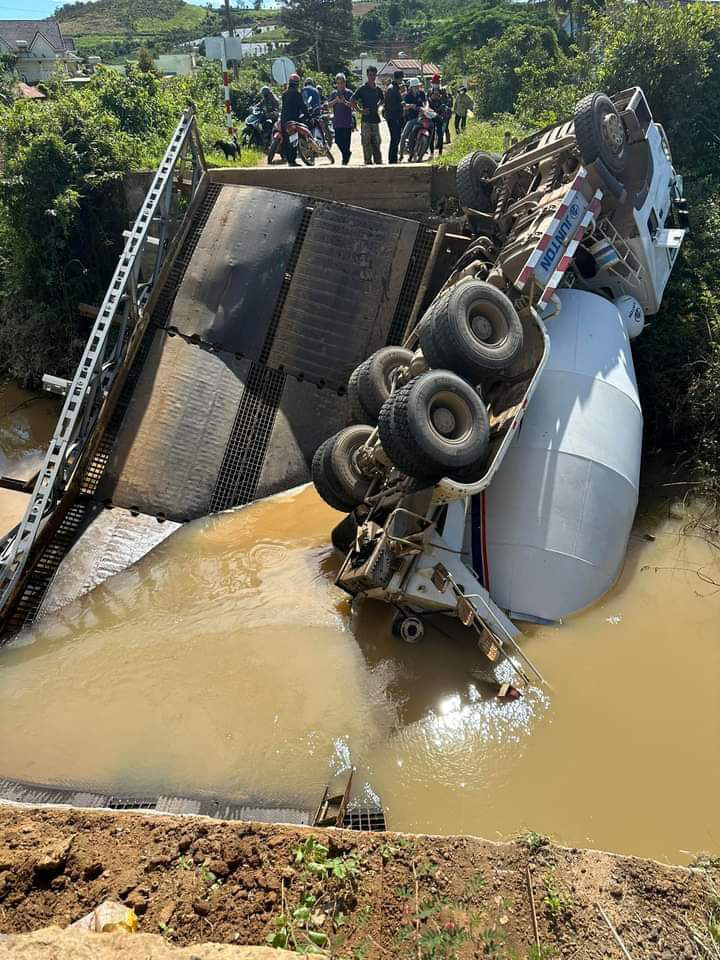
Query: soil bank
x=197 y=880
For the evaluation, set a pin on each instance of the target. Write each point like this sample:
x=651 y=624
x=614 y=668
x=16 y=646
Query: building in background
x=38 y=48
x=410 y=68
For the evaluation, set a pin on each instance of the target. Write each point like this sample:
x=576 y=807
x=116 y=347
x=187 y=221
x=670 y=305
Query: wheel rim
x=487 y=324
x=450 y=417
x=612 y=132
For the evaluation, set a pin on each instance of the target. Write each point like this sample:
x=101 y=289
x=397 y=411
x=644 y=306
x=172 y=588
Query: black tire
x=306 y=154
x=358 y=414
x=471 y=177
x=600 y=133
x=324 y=480
x=434 y=426
x=373 y=379
x=421 y=145
x=474 y=332
x=343 y=535
x=272 y=150
x=352 y=484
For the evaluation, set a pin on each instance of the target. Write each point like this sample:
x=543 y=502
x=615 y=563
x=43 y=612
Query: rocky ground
x=345 y=894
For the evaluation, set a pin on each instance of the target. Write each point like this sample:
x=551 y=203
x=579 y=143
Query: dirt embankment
x=346 y=894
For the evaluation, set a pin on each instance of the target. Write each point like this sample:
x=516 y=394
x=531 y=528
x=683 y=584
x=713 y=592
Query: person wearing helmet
x=339 y=102
x=440 y=102
x=310 y=95
x=462 y=104
x=412 y=101
x=268 y=102
x=293 y=109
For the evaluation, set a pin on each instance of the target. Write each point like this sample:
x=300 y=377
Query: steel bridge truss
x=117 y=330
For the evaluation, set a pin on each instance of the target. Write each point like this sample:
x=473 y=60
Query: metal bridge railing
x=146 y=250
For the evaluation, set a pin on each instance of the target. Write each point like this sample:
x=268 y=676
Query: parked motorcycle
x=258 y=129
x=307 y=144
x=423 y=134
x=321 y=125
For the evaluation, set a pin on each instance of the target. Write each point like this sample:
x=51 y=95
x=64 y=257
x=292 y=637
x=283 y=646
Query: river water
x=27 y=422
x=226 y=662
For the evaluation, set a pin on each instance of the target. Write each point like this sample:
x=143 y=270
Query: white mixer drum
x=549 y=536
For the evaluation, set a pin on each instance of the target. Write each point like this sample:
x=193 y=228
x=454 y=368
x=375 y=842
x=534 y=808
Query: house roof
x=13 y=31
x=27 y=92
x=412 y=66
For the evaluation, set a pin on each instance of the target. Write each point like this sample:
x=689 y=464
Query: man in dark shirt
x=293 y=108
x=368 y=99
x=412 y=101
x=340 y=101
x=394 y=114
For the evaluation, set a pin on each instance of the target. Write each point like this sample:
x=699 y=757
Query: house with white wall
x=38 y=48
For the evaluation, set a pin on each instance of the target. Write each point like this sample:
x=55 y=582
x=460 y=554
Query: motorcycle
x=322 y=128
x=307 y=145
x=422 y=135
x=258 y=129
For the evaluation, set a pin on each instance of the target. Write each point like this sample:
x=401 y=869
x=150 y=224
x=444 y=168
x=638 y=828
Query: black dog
x=229 y=149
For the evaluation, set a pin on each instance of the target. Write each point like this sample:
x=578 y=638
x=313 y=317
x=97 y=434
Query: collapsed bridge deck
x=272 y=300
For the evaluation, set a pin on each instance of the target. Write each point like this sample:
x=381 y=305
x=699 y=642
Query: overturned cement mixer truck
x=492 y=471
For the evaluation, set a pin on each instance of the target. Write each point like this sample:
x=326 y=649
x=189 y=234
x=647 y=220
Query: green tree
x=371 y=27
x=145 y=60
x=496 y=71
x=320 y=30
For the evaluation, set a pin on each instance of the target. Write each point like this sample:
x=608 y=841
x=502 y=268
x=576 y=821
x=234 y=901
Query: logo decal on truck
x=559 y=240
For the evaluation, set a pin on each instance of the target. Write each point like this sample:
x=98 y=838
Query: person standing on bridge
x=462 y=104
x=340 y=101
x=311 y=95
x=293 y=109
x=368 y=99
x=394 y=114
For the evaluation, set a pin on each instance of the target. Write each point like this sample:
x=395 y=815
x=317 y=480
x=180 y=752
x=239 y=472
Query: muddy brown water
x=27 y=422
x=226 y=662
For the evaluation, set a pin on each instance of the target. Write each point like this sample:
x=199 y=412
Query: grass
x=111 y=19
x=247 y=158
x=480 y=135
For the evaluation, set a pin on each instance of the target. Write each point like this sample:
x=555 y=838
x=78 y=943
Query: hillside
x=129 y=17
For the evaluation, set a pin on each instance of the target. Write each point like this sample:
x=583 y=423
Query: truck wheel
x=473 y=172
x=357 y=412
x=474 y=332
x=409 y=629
x=325 y=481
x=352 y=483
x=600 y=133
x=435 y=425
x=372 y=385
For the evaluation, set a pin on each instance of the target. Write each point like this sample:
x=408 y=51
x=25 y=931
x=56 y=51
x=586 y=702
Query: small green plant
x=557 y=902
x=363 y=915
x=541 y=952
x=313 y=855
x=403 y=892
x=534 y=841
x=476 y=884
x=185 y=863
x=387 y=852
x=166 y=931
x=209 y=879
x=492 y=942
x=427 y=869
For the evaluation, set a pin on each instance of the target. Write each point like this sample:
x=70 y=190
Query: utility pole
x=317 y=52
x=228 y=18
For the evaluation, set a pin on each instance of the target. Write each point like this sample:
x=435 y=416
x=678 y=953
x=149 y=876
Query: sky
x=36 y=9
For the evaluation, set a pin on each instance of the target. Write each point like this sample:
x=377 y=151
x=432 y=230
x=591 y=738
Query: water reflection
x=226 y=662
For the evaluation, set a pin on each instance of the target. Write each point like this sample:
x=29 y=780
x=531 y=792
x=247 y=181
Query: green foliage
x=497 y=69
x=485 y=135
x=558 y=903
x=61 y=199
x=478 y=23
x=320 y=30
